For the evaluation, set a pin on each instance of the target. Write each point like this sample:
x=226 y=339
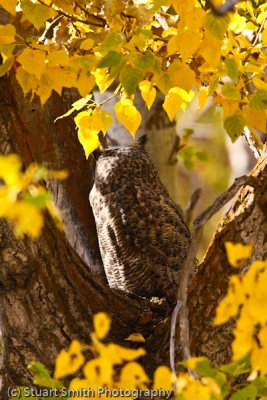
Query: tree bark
x=50 y=290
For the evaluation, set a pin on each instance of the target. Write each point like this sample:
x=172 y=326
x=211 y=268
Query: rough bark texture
x=49 y=293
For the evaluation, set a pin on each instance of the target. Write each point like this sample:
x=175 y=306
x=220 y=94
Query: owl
x=143 y=237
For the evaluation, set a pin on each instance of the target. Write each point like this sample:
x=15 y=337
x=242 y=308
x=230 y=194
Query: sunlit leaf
x=102 y=324
x=238 y=253
x=128 y=115
x=148 y=93
x=37 y=14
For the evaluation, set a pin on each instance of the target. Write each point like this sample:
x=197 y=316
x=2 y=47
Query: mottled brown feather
x=142 y=235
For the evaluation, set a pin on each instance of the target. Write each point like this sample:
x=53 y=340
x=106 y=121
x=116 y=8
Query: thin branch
x=224 y=8
x=73 y=18
x=191 y=205
x=172 y=341
x=259 y=31
x=190 y=262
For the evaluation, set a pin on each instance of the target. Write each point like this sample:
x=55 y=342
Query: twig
x=224 y=8
x=172 y=341
x=259 y=31
x=191 y=205
x=189 y=264
x=76 y=19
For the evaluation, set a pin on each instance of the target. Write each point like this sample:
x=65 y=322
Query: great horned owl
x=142 y=235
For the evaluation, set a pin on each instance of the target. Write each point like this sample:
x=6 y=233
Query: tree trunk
x=51 y=287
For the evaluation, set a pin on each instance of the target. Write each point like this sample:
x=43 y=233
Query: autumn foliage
x=183 y=50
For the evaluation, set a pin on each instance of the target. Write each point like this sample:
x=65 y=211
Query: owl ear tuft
x=140 y=142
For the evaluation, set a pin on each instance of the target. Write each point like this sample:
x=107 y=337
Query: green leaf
x=204 y=368
x=238 y=367
x=38 y=368
x=76 y=106
x=112 y=59
x=234 y=126
x=259 y=100
x=232 y=69
x=5 y=67
x=112 y=41
x=87 y=62
x=39 y=201
x=217 y=25
x=261 y=384
x=130 y=78
x=202 y=155
x=187 y=155
x=42 y=377
x=146 y=62
x=230 y=91
x=37 y=14
x=247 y=393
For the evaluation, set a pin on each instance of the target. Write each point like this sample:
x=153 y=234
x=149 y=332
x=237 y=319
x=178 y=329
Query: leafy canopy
x=179 y=47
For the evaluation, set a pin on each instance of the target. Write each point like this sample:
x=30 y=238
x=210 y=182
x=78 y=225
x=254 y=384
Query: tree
x=52 y=286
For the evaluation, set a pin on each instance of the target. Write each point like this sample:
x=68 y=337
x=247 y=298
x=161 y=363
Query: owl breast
x=142 y=236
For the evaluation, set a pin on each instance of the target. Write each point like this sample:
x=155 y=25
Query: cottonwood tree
x=54 y=54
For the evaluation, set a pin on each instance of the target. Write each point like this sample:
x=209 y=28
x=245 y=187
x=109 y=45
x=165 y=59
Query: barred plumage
x=142 y=235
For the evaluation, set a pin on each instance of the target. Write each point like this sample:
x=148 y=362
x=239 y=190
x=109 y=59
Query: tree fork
x=49 y=295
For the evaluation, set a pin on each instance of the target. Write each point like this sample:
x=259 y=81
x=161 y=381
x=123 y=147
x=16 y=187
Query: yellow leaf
x=259 y=84
x=185 y=43
x=230 y=107
x=64 y=6
x=133 y=376
x=203 y=94
x=28 y=219
x=45 y=87
x=26 y=80
x=9 y=5
x=79 y=386
x=95 y=121
x=172 y=104
x=176 y=98
x=238 y=253
x=259 y=353
x=33 y=61
x=256 y=119
x=10 y=167
x=210 y=49
x=230 y=304
x=243 y=341
x=37 y=14
x=148 y=92
x=87 y=44
x=182 y=75
x=59 y=57
x=163 y=378
x=7 y=34
x=61 y=78
x=128 y=115
x=104 y=118
x=98 y=371
x=85 y=84
x=102 y=78
x=69 y=361
x=102 y=324
x=117 y=354
x=89 y=140
x=136 y=337
x=264 y=37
